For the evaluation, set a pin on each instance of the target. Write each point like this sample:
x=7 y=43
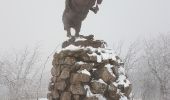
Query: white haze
x=30 y=22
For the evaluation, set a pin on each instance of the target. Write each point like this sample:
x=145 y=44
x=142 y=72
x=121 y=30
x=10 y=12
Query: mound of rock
x=84 y=69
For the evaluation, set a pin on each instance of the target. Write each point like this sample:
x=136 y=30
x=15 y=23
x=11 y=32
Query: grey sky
x=27 y=22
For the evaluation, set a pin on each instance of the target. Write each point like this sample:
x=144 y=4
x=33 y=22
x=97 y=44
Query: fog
x=29 y=22
x=38 y=23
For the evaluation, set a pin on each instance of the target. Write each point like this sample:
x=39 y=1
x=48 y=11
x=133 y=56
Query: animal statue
x=75 y=12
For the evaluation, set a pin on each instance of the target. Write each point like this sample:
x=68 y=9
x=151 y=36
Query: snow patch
x=121 y=71
x=80 y=39
x=101 y=81
x=85 y=72
x=90 y=94
x=72 y=47
x=80 y=63
x=123 y=98
x=123 y=81
x=109 y=68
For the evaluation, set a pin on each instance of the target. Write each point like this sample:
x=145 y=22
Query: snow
x=123 y=81
x=85 y=72
x=80 y=39
x=123 y=98
x=90 y=94
x=115 y=84
x=43 y=99
x=127 y=83
x=105 y=53
x=101 y=81
x=99 y=58
x=80 y=63
x=109 y=68
x=121 y=70
x=72 y=47
x=94 y=69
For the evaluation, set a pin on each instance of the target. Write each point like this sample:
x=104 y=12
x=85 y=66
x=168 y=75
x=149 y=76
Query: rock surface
x=84 y=69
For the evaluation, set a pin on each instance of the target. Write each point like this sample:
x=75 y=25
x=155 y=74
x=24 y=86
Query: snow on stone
x=72 y=47
x=43 y=99
x=115 y=84
x=107 y=54
x=99 y=58
x=127 y=83
x=85 y=72
x=80 y=39
x=123 y=81
x=90 y=94
x=121 y=70
x=80 y=63
x=123 y=98
x=109 y=68
x=94 y=69
x=101 y=81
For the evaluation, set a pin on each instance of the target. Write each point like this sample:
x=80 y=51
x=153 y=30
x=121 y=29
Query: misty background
x=37 y=25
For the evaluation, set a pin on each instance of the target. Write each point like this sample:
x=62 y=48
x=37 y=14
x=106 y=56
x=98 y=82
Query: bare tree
x=157 y=57
x=18 y=72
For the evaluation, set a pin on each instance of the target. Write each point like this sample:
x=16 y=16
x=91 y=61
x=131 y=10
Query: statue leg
x=77 y=29
x=68 y=32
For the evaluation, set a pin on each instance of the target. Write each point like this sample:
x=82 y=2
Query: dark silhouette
x=76 y=11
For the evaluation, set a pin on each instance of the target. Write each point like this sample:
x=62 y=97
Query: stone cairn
x=84 y=69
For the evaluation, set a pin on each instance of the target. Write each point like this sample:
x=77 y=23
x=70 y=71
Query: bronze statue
x=76 y=11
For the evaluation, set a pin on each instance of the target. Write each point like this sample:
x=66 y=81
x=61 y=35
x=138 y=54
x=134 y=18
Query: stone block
x=97 y=87
x=65 y=96
x=55 y=94
x=79 y=77
x=77 y=89
x=106 y=76
x=76 y=97
x=60 y=85
x=55 y=71
x=69 y=61
x=65 y=73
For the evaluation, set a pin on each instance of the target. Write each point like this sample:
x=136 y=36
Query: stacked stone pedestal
x=85 y=70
